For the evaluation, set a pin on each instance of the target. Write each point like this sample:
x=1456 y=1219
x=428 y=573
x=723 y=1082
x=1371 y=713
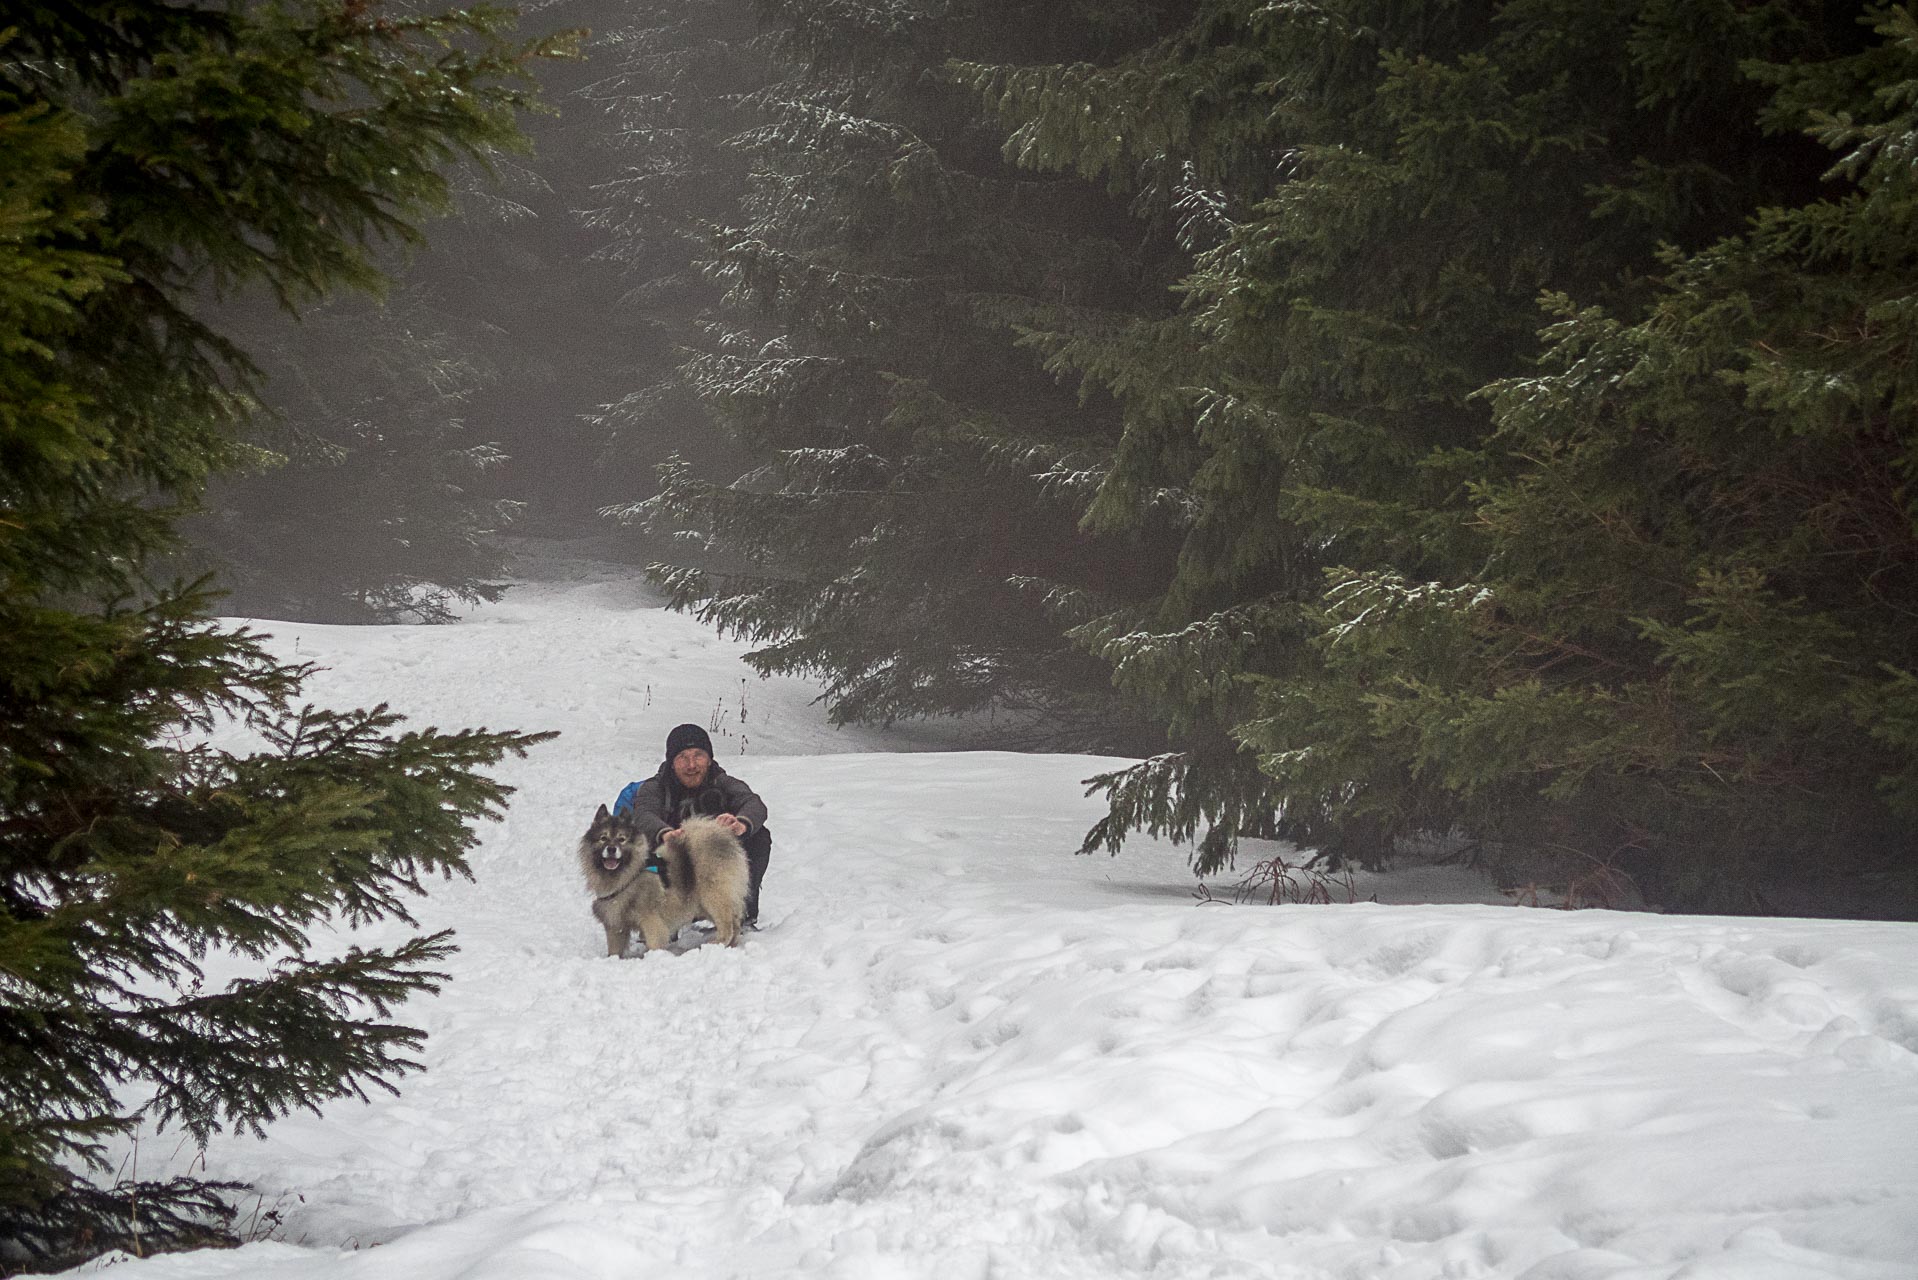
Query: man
x=690 y=784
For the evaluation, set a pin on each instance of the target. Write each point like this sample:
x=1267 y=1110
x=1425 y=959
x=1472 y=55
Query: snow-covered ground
x=959 y=1052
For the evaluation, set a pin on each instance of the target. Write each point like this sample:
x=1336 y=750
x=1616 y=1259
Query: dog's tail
x=682 y=869
x=686 y=872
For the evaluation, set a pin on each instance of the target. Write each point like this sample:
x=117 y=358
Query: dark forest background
x=1488 y=423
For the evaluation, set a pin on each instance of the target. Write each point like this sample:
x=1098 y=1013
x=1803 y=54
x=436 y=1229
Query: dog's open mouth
x=611 y=856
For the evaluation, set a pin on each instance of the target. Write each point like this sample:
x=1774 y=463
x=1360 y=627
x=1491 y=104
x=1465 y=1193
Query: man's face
x=690 y=767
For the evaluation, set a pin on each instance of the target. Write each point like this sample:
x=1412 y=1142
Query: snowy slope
x=958 y=1052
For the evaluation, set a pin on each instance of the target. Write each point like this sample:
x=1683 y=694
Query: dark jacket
x=660 y=803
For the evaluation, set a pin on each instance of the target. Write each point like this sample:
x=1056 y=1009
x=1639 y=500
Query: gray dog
x=699 y=872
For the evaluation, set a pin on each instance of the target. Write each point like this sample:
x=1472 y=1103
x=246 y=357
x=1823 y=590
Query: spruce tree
x=1378 y=192
x=910 y=534
x=676 y=85
x=152 y=156
x=1688 y=650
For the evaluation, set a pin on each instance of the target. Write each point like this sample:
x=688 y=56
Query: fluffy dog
x=699 y=872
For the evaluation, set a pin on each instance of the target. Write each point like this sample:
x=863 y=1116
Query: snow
x=958 y=1052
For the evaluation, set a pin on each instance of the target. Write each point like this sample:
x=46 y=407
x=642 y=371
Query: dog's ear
x=602 y=815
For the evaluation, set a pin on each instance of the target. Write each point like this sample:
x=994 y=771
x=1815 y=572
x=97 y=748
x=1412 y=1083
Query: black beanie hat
x=687 y=735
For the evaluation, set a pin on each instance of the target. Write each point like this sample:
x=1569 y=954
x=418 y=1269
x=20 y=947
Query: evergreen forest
x=1394 y=424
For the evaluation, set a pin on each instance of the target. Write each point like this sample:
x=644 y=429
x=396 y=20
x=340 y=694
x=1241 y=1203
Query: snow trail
x=958 y=1052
